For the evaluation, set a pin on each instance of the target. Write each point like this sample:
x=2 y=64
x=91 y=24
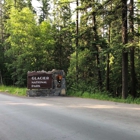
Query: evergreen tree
x=44 y=9
x=63 y=28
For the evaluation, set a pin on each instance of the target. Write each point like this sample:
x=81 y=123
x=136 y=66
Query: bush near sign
x=39 y=80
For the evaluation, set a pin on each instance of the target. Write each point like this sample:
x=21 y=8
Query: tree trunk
x=1 y=82
x=99 y=71
x=77 y=40
x=124 y=51
x=132 y=50
x=107 y=74
x=97 y=51
x=108 y=66
x=124 y=74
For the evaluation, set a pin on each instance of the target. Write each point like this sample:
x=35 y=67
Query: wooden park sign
x=39 y=80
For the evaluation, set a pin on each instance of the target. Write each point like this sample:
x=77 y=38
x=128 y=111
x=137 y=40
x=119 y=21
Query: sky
x=35 y=3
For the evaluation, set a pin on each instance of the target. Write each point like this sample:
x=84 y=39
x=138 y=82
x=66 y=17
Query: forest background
x=96 y=43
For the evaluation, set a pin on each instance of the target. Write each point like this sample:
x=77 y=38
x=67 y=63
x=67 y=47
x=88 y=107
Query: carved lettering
x=40 y=78
x=35 y=86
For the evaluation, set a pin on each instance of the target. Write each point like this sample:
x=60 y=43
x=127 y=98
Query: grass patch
x=104 y=96
x=13 y=90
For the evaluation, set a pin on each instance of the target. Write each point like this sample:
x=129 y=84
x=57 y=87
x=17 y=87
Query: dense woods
x=96 y=42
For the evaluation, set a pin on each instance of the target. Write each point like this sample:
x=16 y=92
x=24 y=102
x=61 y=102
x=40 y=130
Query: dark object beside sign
x=39 y=80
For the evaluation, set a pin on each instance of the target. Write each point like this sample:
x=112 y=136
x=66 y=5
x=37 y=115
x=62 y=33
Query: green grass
x=104 y=96
x=13 y=90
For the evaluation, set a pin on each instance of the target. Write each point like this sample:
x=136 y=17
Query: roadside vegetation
x=104 y=96
x=96 y=95
x=13 y=90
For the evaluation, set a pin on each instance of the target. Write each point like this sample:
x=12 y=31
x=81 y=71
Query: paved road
x=67 y=118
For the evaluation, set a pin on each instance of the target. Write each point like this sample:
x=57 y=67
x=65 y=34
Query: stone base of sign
x=45 y=92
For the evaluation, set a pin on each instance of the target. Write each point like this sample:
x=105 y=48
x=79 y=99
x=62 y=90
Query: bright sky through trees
x=36 y=4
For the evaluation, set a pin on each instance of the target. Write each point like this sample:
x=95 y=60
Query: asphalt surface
x=67 y=118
